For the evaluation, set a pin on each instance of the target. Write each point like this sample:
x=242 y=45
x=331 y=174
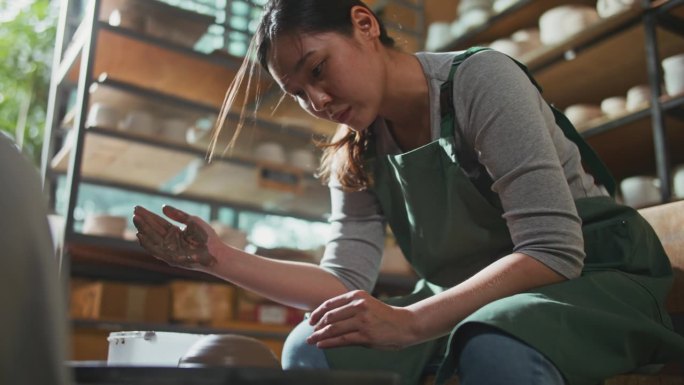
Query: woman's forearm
x=515 y=273
x=296 y=284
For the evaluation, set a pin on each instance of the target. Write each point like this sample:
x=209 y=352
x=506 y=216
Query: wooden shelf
x=629 y=150
x=547 y=55
x=524 y=14
x=158 y=66
x=597 y=69
x=141 y=163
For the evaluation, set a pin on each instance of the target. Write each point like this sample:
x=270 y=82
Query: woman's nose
x=319 y=100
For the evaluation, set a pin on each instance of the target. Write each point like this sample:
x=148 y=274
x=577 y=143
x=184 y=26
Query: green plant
x=27 y=36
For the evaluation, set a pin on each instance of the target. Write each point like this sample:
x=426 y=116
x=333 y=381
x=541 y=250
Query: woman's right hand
x=192 y=247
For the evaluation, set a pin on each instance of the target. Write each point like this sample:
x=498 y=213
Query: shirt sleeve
x=357 y=236
x=511 y=128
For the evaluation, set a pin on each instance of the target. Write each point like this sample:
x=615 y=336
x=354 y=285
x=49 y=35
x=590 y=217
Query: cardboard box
x=252 y=307
x=115 y=301
x=202 y=302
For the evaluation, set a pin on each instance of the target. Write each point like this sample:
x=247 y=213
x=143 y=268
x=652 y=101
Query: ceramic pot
x=229 y=350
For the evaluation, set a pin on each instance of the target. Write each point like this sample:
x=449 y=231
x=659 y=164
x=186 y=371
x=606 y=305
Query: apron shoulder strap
x=589 y=156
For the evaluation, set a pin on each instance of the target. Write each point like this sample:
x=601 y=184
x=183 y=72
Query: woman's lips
x=343 y=116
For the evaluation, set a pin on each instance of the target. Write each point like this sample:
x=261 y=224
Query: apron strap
x=588 y=155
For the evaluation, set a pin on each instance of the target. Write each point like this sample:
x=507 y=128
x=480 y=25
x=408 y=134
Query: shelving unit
x=134 y=69
x=605 y=60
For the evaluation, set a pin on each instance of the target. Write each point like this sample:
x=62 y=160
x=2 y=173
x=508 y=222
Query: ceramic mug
x=640 y=191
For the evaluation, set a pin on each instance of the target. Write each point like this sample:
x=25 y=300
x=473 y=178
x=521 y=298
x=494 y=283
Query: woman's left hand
x=356 y=318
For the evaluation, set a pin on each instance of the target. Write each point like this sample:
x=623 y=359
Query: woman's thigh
x=488 y=356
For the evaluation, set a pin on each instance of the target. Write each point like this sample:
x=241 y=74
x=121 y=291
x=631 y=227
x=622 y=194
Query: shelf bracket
x=671 y=23
x=677 y=113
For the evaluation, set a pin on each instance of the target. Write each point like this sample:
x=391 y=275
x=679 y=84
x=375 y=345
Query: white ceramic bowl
x=559 y=23
x=175 y=129
x=640 y=191
x=614 y=106
x=502 y=5
x=103 y=115
x=508 y=46
x=127 y=17
x=638 y=97
x=608 y=8
x=579 y=114
x=270 y=152
x=105 y=225
x=304 y=159
x=439 y=34
x=139 y=121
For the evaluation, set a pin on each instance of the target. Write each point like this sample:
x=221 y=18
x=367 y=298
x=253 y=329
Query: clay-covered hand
x=190 y=247
x=356 y=318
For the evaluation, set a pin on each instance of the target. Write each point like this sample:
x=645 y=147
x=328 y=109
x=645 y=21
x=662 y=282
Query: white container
x=673 y=68
x=640 y=191
x=148 y=348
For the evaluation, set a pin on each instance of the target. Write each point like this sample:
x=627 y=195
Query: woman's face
x=332 y=76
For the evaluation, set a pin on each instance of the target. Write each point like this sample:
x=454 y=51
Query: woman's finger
x=336 y=315
x=333 y=303
x=352 y=338
x=176 y=215
x=334 y=329
x=155 y=221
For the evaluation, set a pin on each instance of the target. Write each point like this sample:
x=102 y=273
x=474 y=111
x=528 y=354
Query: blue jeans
x=487 y=357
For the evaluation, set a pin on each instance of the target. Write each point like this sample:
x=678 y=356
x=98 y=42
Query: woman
x=531 y=273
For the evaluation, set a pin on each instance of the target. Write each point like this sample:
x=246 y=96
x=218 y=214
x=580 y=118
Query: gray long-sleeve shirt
x=508 y=144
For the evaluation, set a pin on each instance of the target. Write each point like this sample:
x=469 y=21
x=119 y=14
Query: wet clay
x=184 y=248
x=229 y=350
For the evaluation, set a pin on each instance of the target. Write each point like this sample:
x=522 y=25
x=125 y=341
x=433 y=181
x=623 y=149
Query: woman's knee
x=297 y=354
x=489 y=356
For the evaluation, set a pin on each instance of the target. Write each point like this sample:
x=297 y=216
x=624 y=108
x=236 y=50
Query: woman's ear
x=364 y=22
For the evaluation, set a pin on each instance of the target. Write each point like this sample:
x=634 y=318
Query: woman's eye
x=317 y=70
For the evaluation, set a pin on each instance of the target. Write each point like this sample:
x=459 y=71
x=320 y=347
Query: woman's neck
x=406 y=102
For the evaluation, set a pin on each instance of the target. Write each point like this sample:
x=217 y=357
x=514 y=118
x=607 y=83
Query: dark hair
x=282 y=17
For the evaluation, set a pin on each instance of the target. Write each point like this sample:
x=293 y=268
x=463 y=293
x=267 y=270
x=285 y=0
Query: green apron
x=610 y=320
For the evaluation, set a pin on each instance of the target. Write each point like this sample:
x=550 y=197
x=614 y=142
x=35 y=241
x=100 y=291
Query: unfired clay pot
x=229 y=350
